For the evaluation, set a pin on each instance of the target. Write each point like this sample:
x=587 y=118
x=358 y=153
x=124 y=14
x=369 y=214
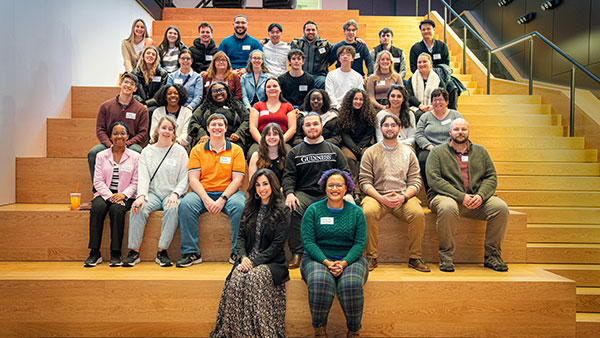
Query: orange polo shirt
x=216 y=169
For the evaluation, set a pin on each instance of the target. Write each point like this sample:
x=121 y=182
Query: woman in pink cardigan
x=115 y=182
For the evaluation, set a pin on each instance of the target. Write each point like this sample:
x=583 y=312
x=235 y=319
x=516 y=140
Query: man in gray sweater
x=462 y=181
x=389 y=175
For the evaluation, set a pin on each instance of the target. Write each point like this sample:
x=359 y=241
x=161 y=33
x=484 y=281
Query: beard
x=388 y=136
x=243 y=30
x=457 y=141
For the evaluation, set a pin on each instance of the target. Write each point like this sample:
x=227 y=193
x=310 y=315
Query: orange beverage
x=75 y=200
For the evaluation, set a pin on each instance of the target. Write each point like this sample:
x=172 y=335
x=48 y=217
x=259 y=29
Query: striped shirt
x=114 y=182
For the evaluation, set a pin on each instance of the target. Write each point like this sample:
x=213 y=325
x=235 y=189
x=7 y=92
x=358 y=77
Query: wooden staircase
x=551 y=178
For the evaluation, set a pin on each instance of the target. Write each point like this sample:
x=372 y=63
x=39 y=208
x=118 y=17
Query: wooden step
x=529 y=142
x=85 y=100
x=561 y=183
x=547 y=169
x=561 y=215
x=588 y=325
x=461 y=77
x=584 y=275
x=150 y=301
x=588 y=300
x=53 y=232
x=544 y=155
x=70 y=137
x=500 y=99
x=513 y=108
x=550 y=198
x=216 y=14
x=523 y=119
x=515 y=130
x=563 y=253
x=563 y=233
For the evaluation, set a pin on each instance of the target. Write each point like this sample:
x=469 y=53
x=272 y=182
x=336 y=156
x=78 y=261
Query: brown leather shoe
x=294 y=263
x=372 y=263
x=418 y=264
x=321 y=332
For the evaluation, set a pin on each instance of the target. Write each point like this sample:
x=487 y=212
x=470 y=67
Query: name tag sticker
x=207 y=84
x=396 y=60
x=264 y=112
x=303 y=88
x=208 y=57
x=156 y=79
x=225 y=160
x=381 y=83
x=178 y=81
x=357 y=55
x=445 y=122
x=170 y=162
x=126 y=168
x=464 y=158
x=130 y=115
x=322 y=50
x=225 y=107
x=437 y=56
x=327 y=220
x=245 y=47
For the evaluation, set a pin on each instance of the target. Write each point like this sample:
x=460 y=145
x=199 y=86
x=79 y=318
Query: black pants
x=116 y=214
x=294 y=236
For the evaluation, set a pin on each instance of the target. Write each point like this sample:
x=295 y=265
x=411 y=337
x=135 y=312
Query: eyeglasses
x=439 y=100
x=335 y=186
x=220 y=60
x=185 y=59
x=218 y=90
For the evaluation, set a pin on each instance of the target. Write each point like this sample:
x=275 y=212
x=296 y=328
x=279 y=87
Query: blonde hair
x=377 y=75
x=148 y=71
x=162 y=119
x=131 y=36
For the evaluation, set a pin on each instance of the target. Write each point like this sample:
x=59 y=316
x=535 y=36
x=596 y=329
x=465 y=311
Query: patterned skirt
x=251 y=306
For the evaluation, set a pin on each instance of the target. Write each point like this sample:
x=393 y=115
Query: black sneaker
x=447 y=266
x=189 y=259
x=495 y=263
x=232 y=258
x=162 y=259
x=133 y=257
x=115 y=259
x=94 y=259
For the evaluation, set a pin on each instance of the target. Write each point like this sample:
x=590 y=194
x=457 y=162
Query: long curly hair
x=346 y=120
x=275 y=209
x=326 y=101
x=404 y=116
x=161 y=95
x=263 y=149
x=210 y=103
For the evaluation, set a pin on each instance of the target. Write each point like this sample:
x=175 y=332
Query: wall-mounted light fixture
x=526 y=18
x=550 y=4
x=504 y=2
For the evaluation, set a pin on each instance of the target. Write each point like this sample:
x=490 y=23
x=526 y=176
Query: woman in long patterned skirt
x=253 y=300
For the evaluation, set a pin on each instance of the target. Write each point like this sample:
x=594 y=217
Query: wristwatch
x=405 y=198
x=225 y=198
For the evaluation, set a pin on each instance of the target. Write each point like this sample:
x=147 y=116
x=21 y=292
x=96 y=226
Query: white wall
x=49 y=46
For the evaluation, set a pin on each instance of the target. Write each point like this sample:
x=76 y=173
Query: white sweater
x=171 y=176
x=338 y=83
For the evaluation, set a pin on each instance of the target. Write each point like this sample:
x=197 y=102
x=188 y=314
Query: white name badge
x=264 y=112
x=445 y=122
x=464 y=158
x=130 y=115
x=245 y=47
x=170 y=162
x=327 y=220
x=396 y=60
x=357 y=55
x=156 y=79
x=437 y=56
x=225 y=160
x=207 y=84
x=322 y=50
x=381 y=83
x=208 y=57
x=126 y=168
x=178 y=81
x=303 y=88
x=225 y=107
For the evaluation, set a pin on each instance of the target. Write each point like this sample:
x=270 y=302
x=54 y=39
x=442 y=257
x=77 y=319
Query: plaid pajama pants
x=322 y=287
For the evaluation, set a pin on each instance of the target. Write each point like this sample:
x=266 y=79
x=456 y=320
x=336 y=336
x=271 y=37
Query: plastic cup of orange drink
x=75 y=200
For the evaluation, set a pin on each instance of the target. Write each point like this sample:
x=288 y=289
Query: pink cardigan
x=128 y=173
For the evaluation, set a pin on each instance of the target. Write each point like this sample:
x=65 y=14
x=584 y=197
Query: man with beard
x=304 y=165
x=204 y=48
x=389 y=175
x=462 y=181
x=239 y=45
x=316 y=52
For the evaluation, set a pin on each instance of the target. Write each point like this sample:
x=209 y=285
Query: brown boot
x=294 y=263
x=352 y=334
x=321 y=332
x=418 y=264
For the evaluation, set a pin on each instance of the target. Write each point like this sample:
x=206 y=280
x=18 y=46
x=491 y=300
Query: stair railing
x=528 y=36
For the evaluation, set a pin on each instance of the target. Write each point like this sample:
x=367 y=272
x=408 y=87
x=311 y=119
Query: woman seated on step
x=169 y=49
x=253 y=302
x=219 y=70
x=134 y=44
x=151 y=78
x=186 y=77
x=434 y=127
x=220 y=100
x=271 y=152
x=421 y=84
x=162 y=181
x=253 y=89
x=115 y=181
x=334 y=234
x=382 y=79
x=171 y=100
x=397 y=97
x=318 y=101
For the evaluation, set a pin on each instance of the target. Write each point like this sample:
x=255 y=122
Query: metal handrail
x=528 y=36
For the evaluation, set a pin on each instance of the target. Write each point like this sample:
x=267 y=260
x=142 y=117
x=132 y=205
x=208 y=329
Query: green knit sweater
x=444 y=176
x=328 y=234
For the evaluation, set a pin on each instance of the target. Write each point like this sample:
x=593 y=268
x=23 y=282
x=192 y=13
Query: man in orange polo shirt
x=215 y=170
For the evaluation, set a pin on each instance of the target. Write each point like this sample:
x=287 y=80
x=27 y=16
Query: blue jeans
x=191 y=207
x=137 y=222
x=319 y=81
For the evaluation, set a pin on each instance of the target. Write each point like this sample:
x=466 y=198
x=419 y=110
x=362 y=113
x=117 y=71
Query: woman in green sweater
x=334 y=234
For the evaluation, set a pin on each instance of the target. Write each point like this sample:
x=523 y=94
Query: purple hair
x=346 y=175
